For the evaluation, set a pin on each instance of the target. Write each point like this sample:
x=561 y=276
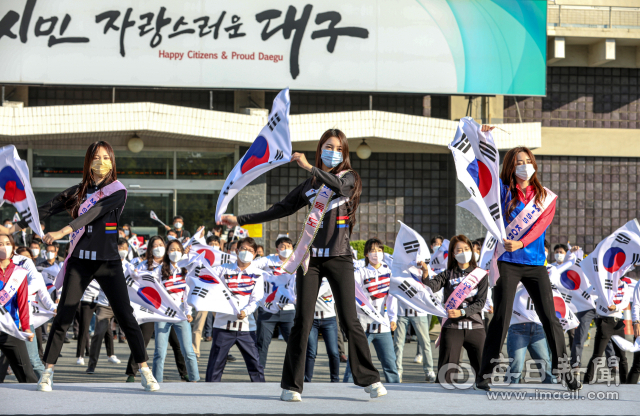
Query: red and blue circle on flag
x=12 y=185
x=560 y=306
x=481 y=175
x=150 y=296
x=209 y=255
x=614 y=259
x=205 y=278
x=258 y=154
x=570 y=279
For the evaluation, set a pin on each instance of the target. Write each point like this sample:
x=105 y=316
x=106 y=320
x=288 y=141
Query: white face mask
x=177 y=225
x=170 y=237
x=126 y=232
x=158 y=252
x=35 y=252
x=464 y=257
x=435 y=248
x=123 y=254
x=245 y=256
x=8 y=225
x=525 y=172
x=175 y=256
x=559 y=257
x=6 y=252
x=285 y=253
x=375 y=258
x=51 y=255
x=477 y=256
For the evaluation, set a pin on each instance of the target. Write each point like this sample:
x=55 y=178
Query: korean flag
x=271 y=148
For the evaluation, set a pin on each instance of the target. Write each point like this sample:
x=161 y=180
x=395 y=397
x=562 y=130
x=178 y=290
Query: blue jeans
x=34 y=357
x=183 y=330
x=328 y=327
x=421 y=326
x=383 y=343
x=266 y=324
x=528 y=336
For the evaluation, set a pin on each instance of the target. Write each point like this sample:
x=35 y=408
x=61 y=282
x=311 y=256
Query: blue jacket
x=533 y=254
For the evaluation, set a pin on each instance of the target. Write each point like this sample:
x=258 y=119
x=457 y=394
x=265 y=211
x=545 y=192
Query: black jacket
x=472 y=305
x=97 y=242
x=332 y=238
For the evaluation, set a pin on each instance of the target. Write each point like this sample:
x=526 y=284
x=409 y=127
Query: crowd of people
x=303 y=291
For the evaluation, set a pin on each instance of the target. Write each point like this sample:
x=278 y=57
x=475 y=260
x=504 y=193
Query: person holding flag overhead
x=96 y=205
x=522 y=212
x=333 y=194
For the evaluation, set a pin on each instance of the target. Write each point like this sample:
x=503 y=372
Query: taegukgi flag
x=150 y=300
x=477 y=165
x=16 y=189
x=440 y=258
x=409 y=249
x=486 y=253
x=271 y=148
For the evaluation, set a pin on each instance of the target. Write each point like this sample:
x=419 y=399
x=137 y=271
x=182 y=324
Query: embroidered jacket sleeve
x=42 y=293
x=102 y=207
x=541 y=225
x=256 y=295
x=438 y=281
x=342 y=186
x=56 y=205
x=392 y=308
x=480 y=298
x=289 y=205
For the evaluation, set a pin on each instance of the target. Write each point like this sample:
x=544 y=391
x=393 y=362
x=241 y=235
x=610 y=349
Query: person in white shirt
x=375 y=279
x=246 y=283
x=634 y=373
x=267 y=321
x=325 y=323
x=173 y=279
x=610 y=322
x=104 y=314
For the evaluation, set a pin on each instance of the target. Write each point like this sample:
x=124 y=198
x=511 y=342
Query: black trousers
x=536 y=280
x=108 y=274
x=101 y=331
x=147 y=332
x=223 y=340
x=452 y=341
x=39 y=340
x=606 y=327
x=339 y=273
x=634 y=373
x=86 y=311
x=15 y=351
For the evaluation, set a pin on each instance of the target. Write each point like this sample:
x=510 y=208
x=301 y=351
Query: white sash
x=518 y=228
x=13 y=284
x=311 y=226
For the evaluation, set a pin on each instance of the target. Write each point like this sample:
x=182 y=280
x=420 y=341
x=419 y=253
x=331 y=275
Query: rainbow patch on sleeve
x=342 y=222
x=111 y=228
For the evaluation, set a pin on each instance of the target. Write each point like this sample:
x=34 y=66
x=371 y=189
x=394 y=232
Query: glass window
x=204 y=165
x=69 y=164
x=198 y=208
x=137 y=210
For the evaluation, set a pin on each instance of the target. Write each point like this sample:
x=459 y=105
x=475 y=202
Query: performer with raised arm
x=333 y=194
x=96 y=205
x=527 y=211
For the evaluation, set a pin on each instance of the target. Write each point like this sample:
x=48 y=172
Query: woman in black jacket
x=464 y=326
x=330 y=257
x=95 y=205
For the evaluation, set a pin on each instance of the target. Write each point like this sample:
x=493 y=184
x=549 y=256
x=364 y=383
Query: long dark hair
x=87 y=174
x=354 y=199
x=370 y=245
x=508 y=177
x=148 y=256
x=452 y=263
x=166 y=262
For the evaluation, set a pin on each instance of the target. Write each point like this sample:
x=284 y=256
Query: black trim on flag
x=608 y=284
x=170 y=312
x=488 y=151
x=463 y=145
x=494 y=210
x=622 y=238
x=411 y=246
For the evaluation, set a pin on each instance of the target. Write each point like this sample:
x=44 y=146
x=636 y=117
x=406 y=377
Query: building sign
x=421 y=46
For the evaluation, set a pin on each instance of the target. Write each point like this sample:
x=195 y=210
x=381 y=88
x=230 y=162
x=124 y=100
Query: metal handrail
x=604 y=17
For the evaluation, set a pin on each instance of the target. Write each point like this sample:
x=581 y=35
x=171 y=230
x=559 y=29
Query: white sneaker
x=418 y=359
x=80 y=361
x=290 y=396
x=46 y=381
x=431 y=377
x=149 y=382
x=114 y=360
x=375 y=390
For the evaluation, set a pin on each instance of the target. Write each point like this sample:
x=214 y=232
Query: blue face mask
x=330 y=158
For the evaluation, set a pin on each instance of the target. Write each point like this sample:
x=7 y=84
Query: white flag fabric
x=627 y=345
x=208 y=292
x=477 y=165
x=271 y=148
x=611 y=259
x=565 y=314
x=49 y=275
x=39 y=314
x=16 y=217
x=486 y=253
x=240 y=232
x=154 y=303
x=283 y=294
x=409 y=249
x=211 y=255
x=364 y=303
x=8 y=325
x=524 y=310
x=439 y=260
x=569 y=279
x=407 y=288
x=155 y=217
x=16 y=189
